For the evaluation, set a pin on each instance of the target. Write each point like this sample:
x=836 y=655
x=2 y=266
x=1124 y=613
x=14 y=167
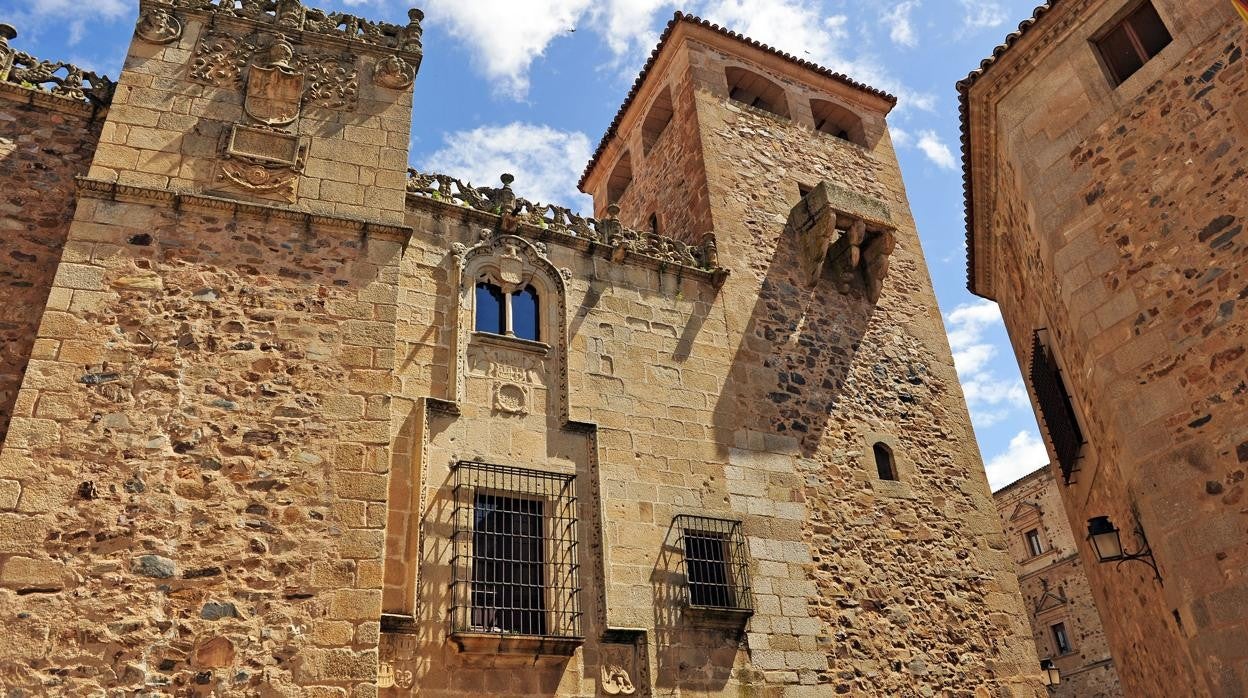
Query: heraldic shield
x=274 y=94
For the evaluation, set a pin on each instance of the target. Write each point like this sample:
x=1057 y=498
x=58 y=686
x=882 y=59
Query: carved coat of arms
x=275 y=91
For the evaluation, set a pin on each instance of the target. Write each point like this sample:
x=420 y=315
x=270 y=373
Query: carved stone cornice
x=56 y=78
x=501 y=208
x=305 y=24
x=357 y=227
x=979 y=94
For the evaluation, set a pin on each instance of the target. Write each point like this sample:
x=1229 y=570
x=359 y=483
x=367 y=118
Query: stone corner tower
x=201 y=440
x=840 y=359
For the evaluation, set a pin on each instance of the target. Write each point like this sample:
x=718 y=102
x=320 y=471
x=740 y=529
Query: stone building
x=292 y=420
x=1104 y=158
x=1064 y=621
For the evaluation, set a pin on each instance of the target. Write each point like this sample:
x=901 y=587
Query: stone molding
x=112 y=191
x=36 y=98
x=537 y=222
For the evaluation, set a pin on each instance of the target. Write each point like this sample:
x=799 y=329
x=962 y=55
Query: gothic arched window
x=514 y=315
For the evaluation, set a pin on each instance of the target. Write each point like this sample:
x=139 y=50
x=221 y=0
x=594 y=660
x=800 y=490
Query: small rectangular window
x=515 y=566
x=1060 y=640
x=1033 y=543
x=1128 y=45
x=716 y=571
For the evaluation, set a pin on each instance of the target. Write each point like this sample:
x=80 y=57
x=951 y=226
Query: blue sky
x=528 y=87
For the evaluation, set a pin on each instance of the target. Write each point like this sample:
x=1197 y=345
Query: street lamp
x=1107 y=542
x=1049 y=673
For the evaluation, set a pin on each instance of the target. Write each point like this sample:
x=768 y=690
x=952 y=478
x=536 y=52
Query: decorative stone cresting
x=56 y=77
x=292 y=15
x=609 y=231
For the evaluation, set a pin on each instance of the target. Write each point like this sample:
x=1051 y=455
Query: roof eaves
x=964 y=112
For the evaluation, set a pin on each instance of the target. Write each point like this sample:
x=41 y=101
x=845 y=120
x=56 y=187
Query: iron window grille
x=514 y=565
x=714 y=563
x=1056 y=407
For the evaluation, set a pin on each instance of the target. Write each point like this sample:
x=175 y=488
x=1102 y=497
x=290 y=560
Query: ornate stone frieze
x=328 y=81
x=55 y=77
x=294 y=16
x=157 y=24
x=558 y=220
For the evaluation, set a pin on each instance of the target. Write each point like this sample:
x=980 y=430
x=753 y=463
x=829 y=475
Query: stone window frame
x=1065 y=635
x=1034 y=543
x=621 y=178
x=1119 y=19
x=744 y=82
x=903 y=467
x=654 y=125
x=854 y=130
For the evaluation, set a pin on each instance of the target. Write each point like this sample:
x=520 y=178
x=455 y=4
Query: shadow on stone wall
x=796 y=350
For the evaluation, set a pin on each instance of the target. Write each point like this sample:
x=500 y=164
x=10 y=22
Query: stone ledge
x=34 y=97
x=112 y=191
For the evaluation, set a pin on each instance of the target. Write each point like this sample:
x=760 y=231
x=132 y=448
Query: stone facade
x=1108 y=218
x=1055 y=586
x=266 y=444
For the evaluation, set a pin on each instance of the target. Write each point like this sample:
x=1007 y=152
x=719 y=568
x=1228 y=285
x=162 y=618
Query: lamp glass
x=1105 y=539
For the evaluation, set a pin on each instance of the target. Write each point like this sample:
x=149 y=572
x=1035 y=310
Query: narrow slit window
x=884 y=463
x=1033 y=543
x=1131 y=43
x=491 y=309
x=524 y=304
x=1057 y=409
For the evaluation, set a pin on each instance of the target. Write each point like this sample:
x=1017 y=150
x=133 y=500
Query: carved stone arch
x=513 y=263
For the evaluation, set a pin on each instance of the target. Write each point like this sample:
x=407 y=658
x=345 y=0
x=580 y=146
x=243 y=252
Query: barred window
x=515 y=568
x=1056 y=407
x=714 y=563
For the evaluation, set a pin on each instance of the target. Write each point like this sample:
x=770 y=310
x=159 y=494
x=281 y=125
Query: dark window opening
x=1033 y=542
x=514 y=561
x=1057 y=410
x=884 y=463
x=657 y=119
x=756 y=91
x=1061 y=640
x=1128 y=45
x=524 y=323
x=491 y=309
x=838 y=121
x=654 y=223
x=620 y=179
x=716 y=572
x=804 y=190
x=508 y=565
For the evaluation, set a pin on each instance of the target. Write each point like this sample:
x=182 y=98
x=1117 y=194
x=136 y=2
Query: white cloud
x=628 y=25
x=545 y=161
x=900 y=26
x=982 y=14
x=506 y=36
x=936 y=150
x=1025 y=453
x=71 y=16
x=989 y=396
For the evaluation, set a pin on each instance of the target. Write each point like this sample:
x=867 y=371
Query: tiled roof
x=698 y=21
x=964 y=109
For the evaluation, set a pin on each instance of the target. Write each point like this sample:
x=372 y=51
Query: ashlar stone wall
x=45 y=142
x=1115 y=219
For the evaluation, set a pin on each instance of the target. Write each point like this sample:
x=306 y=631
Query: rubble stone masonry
x=1111 y=218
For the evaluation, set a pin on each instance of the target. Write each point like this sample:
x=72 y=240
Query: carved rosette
x=157 y=25
x=394 y=73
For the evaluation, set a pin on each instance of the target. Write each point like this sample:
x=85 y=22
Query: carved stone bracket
x=845 y=235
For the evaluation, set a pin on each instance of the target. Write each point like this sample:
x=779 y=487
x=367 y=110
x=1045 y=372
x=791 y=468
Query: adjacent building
x=285 y=418
x=1105 y=157
x=1064 y=621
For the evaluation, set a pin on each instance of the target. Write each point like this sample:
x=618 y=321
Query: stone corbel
x=845 y=235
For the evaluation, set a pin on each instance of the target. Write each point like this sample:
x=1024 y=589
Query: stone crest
x=615 y=681
x=394 y=73
x=158 y=26
x=275 y=91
